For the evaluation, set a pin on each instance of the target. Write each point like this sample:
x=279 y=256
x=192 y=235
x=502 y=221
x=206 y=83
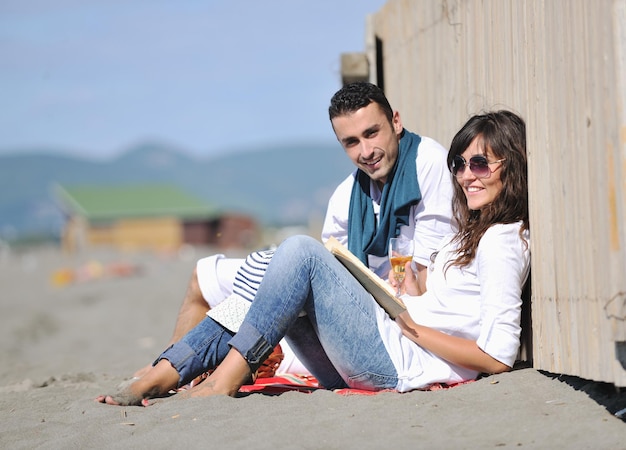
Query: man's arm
x=337 y=212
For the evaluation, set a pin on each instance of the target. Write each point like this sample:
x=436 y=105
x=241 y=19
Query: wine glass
x=400 y=253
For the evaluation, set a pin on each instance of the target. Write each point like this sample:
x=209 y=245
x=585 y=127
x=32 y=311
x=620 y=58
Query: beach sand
x=63 y=343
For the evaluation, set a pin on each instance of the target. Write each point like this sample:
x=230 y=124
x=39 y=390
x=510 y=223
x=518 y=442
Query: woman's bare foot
x=226 y=379
x=157 y=382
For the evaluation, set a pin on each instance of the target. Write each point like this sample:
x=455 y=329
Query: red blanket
x=302 y=383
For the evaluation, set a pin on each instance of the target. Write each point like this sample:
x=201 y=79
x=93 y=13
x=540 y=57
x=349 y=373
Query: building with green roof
x=154 y=216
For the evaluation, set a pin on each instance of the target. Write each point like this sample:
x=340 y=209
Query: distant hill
x=282 y=185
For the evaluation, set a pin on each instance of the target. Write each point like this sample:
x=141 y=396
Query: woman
x=467 y=322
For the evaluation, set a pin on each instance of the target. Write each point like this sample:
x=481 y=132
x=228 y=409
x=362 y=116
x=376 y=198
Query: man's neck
x=376 y=189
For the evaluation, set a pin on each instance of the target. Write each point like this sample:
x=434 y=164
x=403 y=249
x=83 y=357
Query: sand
x=64 y=344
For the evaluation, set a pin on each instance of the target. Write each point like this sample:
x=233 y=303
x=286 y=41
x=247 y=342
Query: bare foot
x=157 y=382
x=122 y=399
x=207 y=388
x=226 y=379
x=141 y=372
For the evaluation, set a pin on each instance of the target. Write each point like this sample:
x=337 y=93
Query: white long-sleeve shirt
x=481 y=302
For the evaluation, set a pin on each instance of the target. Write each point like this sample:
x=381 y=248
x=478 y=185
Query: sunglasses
x=478 y=165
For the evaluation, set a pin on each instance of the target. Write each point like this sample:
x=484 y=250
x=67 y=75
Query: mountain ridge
x=279 y=186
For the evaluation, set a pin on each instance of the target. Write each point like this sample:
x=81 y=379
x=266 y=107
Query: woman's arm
x=502 y=264
x=456 y=350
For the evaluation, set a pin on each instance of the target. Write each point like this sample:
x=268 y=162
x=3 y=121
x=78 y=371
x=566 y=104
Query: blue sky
x=94 y=77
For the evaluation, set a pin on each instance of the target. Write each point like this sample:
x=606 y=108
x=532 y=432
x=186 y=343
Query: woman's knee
x=302 y=244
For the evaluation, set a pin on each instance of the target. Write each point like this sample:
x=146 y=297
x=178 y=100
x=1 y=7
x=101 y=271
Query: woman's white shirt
x=481 y=302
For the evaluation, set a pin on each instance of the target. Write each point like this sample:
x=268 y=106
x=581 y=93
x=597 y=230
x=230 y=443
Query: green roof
x=115 y=202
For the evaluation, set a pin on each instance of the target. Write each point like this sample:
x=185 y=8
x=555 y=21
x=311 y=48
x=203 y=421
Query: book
x=382 y=291
x=230 y=312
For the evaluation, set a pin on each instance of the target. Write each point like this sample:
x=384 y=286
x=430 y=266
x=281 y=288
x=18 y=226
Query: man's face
x=369 y=140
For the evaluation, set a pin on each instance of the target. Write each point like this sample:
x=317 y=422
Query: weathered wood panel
x=562 y=66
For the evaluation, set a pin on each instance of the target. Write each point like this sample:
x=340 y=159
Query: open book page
x=382 y=291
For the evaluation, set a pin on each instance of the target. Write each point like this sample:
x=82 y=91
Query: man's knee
x=194 y=294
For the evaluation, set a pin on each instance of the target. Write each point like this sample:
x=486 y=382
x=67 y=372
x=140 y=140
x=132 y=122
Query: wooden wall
x=562 y=66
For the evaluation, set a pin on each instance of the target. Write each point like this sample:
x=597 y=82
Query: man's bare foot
x=155 y=383
x=136 y=394
x=141 y=372
x=122 y=399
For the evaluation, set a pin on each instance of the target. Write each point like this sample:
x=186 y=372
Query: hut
x=155 y=216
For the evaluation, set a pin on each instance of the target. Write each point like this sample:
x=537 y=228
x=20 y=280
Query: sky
x=95 y=77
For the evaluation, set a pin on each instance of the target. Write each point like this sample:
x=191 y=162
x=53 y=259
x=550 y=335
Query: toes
x=110 y=401
x=107 y=399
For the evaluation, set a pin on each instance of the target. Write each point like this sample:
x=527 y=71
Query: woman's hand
x=414 y=283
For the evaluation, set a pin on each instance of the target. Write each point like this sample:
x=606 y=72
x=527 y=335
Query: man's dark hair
x=355 y=96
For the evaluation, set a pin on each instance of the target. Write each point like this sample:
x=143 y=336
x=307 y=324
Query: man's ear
x=397 y=123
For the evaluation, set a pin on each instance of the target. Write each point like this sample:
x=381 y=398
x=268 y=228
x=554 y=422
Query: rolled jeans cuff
x=252 y=345
x=185 y=360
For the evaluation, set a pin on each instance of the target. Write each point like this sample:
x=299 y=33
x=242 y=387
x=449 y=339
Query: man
x=402 y=186
x=382 y=199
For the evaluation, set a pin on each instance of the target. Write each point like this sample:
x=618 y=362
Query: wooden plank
x=561 y=65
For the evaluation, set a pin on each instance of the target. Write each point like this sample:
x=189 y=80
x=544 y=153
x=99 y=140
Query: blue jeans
x=337 y=339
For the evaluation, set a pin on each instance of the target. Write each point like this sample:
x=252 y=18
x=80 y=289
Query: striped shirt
x=250 y=274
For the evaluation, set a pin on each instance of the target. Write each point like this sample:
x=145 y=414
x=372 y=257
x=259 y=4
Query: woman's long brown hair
x=504 y=133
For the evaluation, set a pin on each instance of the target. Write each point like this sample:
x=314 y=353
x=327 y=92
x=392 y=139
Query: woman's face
x=480 y=192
